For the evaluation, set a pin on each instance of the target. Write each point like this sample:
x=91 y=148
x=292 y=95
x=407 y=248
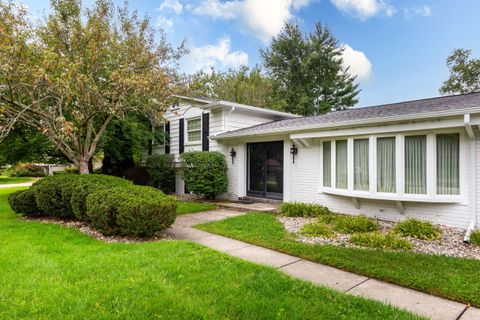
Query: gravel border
x=84 y=228
x=451 y=243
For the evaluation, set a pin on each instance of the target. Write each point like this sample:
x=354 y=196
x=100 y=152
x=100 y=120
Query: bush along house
x=409 y=159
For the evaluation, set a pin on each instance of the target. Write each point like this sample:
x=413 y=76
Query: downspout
x=473 y=177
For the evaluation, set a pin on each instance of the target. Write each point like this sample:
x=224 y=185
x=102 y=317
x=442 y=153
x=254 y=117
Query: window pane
x=448 y=171
x=341 y=162
x=416 y=164
x=194 y=136
x=327 y=164
x=360 y=164
x=386 y=165
x=193 y=124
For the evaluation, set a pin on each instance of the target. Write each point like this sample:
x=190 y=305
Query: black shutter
x=167 y=138
x=205 y=131
x=181 y=136
x=150 y=143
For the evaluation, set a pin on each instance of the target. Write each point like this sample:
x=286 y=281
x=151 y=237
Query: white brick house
x=409 y=159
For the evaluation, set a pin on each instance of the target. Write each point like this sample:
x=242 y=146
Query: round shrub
x=205 y=173
x=162 y=172
x=131 y=211
x=85 y=185
x=23 y=201
x=53 y=194
x=415 y=228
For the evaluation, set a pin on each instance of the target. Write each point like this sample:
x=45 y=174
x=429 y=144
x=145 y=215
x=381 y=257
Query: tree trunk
x=83 y=166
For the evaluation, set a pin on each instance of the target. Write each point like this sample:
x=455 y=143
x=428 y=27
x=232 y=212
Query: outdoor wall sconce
x=294 y=151
x=233 y=154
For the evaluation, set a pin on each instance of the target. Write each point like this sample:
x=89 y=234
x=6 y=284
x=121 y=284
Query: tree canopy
x=247 y=86
x=71 y=73
x=464 y=73
x=307 y=72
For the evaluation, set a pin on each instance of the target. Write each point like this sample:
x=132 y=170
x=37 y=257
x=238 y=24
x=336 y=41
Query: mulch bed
x=450 y=244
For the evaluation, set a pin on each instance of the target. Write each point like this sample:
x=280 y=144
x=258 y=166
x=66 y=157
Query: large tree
x=308 y=74
x=71 y=73
x=464 y=73
x=247 y=86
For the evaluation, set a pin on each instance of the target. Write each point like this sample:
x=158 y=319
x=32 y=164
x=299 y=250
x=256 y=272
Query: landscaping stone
x=451 y=243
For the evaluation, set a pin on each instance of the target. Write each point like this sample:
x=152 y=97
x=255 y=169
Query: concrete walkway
x=411 y=300
x=17 y=185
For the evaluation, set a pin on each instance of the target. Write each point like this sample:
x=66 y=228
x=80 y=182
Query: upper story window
x=194 y=130
x=417 y=166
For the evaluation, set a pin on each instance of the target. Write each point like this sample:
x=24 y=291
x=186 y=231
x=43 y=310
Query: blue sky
x=397 y=48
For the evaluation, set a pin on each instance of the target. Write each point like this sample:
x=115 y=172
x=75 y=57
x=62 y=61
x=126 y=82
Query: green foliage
x=53 y=195
x=138 y=175
x=464 y=73
x=299 y=209
x=349 y=224
x=23 y=201
x=205 y=173
x=28 y=170
x=317 y=230
x=247 y=86
x=378 y=240
x=85 y=185
x=131 y=211
x=73 y=71
x=415 y=228
x=447 y=277
x=162 y=172
x=308 y=73
x=475 y=237
x=71 y=171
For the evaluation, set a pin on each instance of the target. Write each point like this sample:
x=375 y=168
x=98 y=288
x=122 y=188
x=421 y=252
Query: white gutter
x=246 y=107
x=373 y=120
x=473 y=177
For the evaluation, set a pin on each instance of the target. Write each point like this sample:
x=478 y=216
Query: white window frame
x=196 y=142
x=399 y=195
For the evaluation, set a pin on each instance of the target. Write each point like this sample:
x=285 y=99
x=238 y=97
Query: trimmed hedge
x=53 y=193
x=162 y=172
x=299 y=209
x=205 y=173
x=132 y=210
x=23 y=201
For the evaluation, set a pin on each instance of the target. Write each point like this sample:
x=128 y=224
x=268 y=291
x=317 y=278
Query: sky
x=396 y=48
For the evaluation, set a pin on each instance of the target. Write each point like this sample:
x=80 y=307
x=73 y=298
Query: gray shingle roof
x=416 y=107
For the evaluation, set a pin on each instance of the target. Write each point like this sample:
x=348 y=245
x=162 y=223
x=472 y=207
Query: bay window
x=418 y=167
x=341 y=164
x=327 y=164
x=416 y=164
x=360 y=164
x=386 y=164
x=448 y=171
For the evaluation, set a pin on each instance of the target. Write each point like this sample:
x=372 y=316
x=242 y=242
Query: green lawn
x=53 y=272
x=184 y=207
x=453 y=278
x=12 y=180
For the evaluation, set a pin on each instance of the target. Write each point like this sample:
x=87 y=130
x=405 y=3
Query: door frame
x=264 y=193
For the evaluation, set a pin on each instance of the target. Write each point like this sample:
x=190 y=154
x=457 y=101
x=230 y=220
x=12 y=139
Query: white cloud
x=365 y=9
x=264 y=18
x=218 y=56
x=163 y=22
x=173 y=5
x=423 y=10
x=358 y=63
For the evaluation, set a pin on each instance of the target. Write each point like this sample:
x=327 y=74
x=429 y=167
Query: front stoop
x=433 y=307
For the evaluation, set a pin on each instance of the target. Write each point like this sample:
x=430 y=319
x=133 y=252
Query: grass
x=453 y=278
x=12 y=180
x=53 y=272
x=184 y=207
